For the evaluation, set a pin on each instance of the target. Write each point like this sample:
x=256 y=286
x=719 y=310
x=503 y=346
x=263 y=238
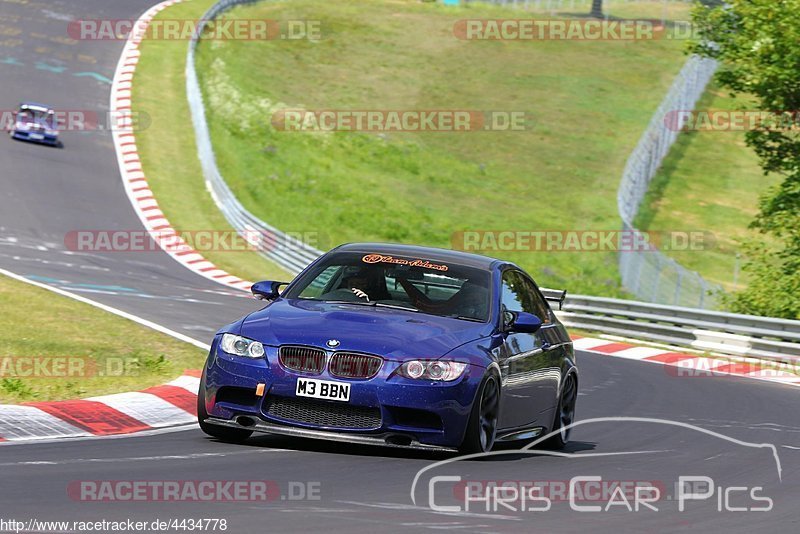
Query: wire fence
x=650 y=275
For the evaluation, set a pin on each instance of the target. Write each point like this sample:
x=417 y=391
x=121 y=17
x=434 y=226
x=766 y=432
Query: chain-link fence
x=650 y=275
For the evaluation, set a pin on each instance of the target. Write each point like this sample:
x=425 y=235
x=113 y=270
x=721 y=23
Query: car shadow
x=514 y=452
x=59 y=144
x=341 y=448
x=510 y=451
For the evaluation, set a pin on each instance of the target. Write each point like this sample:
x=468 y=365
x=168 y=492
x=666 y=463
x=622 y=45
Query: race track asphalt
x=366 y=489
x=47 y=192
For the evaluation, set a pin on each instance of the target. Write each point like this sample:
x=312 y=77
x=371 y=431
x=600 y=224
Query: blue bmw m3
x=395 y=345
x=36 y=123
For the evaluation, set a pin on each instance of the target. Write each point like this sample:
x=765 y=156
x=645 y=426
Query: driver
x=367 y=283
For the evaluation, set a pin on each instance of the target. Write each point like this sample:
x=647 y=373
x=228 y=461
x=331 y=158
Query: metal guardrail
x=744 y=335
x=288 y=252
x=729 y=333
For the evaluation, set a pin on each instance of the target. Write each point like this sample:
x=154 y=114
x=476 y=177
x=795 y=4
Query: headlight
x=439 y=370
x=241 y=346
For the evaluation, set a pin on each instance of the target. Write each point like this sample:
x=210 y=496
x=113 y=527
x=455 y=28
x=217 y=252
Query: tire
x=222 y=433
x=482 y=425
x=565 y=414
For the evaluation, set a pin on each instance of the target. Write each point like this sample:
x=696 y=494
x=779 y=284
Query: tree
x=597 y=9
x=758 y=45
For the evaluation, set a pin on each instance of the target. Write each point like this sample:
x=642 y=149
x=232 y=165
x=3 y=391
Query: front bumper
x=387 y=439
x=412 y=413
x=35 y=137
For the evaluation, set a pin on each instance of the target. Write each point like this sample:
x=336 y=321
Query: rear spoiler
x=555 y=295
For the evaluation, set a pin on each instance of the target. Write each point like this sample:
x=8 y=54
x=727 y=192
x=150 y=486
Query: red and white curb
x=168 y=405
x=130 y=165
x=684 y=365
x=174 y=404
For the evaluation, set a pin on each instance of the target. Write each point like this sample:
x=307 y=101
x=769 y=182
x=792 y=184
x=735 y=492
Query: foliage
x=756 y=42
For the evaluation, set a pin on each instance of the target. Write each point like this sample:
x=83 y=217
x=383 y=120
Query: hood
x=393 y=334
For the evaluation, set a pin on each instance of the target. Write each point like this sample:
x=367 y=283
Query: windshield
x=390 y=281
x=44 y=119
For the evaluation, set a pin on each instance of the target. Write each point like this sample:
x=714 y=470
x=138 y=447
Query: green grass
x=589 y=102
x=93 y=342
x=709 y=182
x=168 y=152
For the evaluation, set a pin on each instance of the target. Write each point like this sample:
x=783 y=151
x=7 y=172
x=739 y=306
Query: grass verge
x=168 y=151
x=588 y=103
x=85 y=351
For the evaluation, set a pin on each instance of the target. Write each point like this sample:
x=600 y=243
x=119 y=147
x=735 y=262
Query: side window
x=519 y=294
x=541 y=309
x=512 y=298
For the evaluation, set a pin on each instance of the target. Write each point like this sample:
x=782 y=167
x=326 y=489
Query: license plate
x=38 y=137
x=322 y=389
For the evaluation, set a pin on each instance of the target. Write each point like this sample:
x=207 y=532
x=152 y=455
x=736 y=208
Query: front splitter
x=381 y=440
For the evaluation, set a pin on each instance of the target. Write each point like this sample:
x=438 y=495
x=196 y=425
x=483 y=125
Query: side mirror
x=266 y=290
x=525 y=323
